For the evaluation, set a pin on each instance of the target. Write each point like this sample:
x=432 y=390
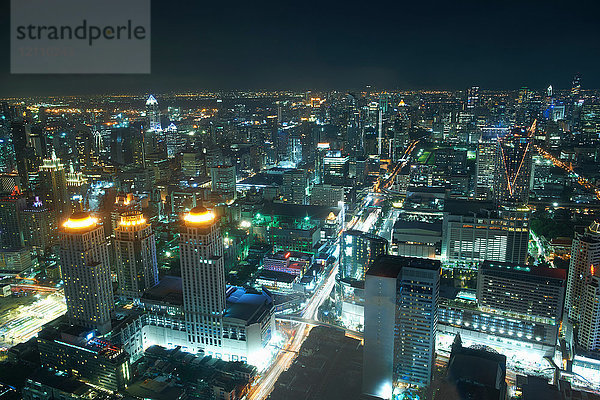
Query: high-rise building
x=203 y=275
x=335 y=168
x=590 y=123
x=585 y=257
x=38 y=230
x=11 y=232
x=135 y=254
x=85 y=268
x=153 y=114
x=19 y=140
x=588 y=336
x=576 y=86
x=513 y=168
x=294 y=186
x=485 y=169
x=358 y=251
x=327 y=195
x=223 y=181
x=401 y=300
x=470 y=237
x=522 y=290
x=53 y=186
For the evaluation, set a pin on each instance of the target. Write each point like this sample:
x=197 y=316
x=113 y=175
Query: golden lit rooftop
x=80 y=221
x=132 y=219
x=199 y=215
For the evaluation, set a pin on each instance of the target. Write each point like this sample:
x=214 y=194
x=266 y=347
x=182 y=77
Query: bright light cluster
x=80 y=223
x=132 y=220
x=199 y=218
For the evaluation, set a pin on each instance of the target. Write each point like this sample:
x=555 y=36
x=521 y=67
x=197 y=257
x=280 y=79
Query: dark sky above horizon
x=346 y=45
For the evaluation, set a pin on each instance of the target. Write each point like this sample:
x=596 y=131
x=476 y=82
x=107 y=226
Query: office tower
x=513 y=168
x=192 y=164
x=294 y=186
x=203 y=275
x=53 y=186
x=470 y=237
x=588 y=336
x=335 y=168
x=11 y=233
x=153 y=114
x=473 y=97
x=294 y=149
x=85 y=268
x=522 y=289
x=83 y=147
x=135 y=251
x=38 y=229
x=353 y=132
x=18 y=131
x=327 y=195
x=223 y=181
x=401 y=300
x=485 y=169
x=576 y=86
x=590 y=123
x=358 y=251
x=585 y=256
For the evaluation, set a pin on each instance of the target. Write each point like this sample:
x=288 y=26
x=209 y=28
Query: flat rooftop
x=520 y=269
x=390 y=266
x=247 y=304
x=168 y=290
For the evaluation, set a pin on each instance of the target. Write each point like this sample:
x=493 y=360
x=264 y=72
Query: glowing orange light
x=199 y=217
x=128 y=220
x=80 y=223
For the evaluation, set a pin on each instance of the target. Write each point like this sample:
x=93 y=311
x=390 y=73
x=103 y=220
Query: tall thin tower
x=203 y=275
x=153 y=114
x=85 y=267
x=135 y=250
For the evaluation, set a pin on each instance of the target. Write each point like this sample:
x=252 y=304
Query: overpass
x=294 y=318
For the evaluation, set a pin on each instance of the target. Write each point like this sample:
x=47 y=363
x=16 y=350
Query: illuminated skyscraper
x=203 y=276
x=53 y=186
x=294 y=186
x=590 y=123
x=135 y=251
x=513 y=168
x=223 y=181
x=85 y=267
x=358 y=251
x=485 y=169
x=401 y=302
x=19 y=141
x=588 y=336
x=38 y=229
x=153 y=114
x=576 y=86
x=585 y=259
x=11 y=235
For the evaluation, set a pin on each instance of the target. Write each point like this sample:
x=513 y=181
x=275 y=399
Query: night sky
x=346 y=45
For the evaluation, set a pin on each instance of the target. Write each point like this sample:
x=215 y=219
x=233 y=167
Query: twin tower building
x=86 y=271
